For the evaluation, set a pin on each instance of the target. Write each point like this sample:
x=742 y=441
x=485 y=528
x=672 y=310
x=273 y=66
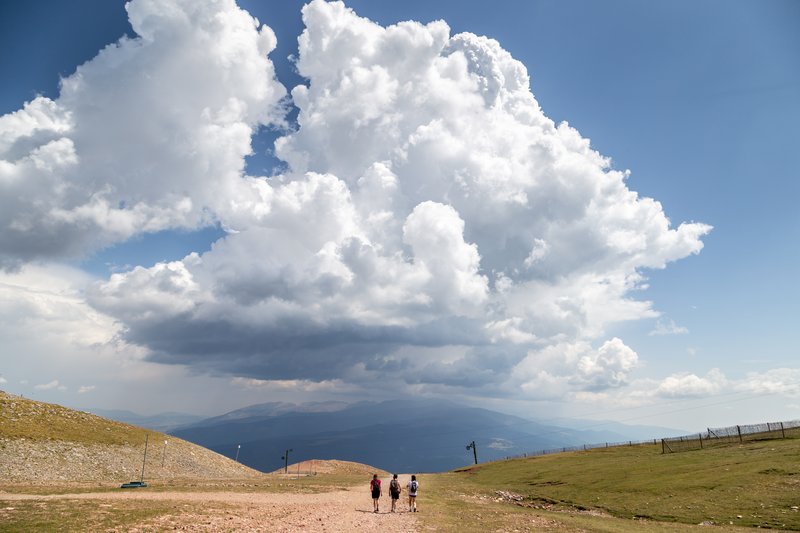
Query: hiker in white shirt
x=413 y=487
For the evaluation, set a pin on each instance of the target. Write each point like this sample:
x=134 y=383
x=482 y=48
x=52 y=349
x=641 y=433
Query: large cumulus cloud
x=433 y=228
x=148 y=135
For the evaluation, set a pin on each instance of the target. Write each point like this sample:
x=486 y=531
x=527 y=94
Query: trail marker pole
x=238 y=447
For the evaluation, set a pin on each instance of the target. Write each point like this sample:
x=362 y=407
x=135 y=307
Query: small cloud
x=686 y=385
x=500 y=444
x=50 y=386
x=3 y=380
x=668 y=328
x=607 y=367
x=691 y=351
x=85 y=388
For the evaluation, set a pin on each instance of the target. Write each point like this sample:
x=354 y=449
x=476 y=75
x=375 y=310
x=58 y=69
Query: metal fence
x=584 y=447
x=731 y=435
x=698 y=441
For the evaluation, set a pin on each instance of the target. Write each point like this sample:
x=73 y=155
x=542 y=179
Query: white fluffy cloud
x=148 y=135
x=433 y=228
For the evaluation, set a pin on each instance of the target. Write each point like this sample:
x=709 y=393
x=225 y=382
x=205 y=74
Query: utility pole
x=474 y=450
x=146 y=436
x=286 y=461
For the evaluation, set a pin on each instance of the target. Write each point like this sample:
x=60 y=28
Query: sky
x=552 y=209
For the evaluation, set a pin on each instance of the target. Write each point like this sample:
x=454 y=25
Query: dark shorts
x=395 y=495
x=376 y=494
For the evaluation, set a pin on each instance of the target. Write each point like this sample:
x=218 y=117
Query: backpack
x=414 y=486
x=394 y=486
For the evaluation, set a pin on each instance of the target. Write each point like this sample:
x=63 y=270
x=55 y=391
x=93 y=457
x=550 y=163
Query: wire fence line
x=731 y=435
x=584 y=447
x=697 y=441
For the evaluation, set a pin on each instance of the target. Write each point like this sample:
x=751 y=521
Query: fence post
x=739 y=430
x=662 y=447
x=700 y=436
x=783 y=433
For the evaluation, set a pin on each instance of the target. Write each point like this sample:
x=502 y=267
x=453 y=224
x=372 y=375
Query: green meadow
x=626 y=488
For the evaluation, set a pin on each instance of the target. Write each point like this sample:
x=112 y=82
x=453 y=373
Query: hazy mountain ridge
x=159 y=422
x=631 y=432
x=403 y=435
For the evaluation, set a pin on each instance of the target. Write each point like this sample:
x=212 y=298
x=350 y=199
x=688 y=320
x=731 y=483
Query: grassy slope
x=29 y=419
x=758 y=481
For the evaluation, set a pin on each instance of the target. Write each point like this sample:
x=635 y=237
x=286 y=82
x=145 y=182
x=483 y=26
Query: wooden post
x=783 y=433
x=700 y=436
x=739 y=430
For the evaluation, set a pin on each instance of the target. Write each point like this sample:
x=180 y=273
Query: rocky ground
x=41 y=443
x=44 y=461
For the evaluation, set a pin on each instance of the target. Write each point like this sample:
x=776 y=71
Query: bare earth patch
x=340 y=510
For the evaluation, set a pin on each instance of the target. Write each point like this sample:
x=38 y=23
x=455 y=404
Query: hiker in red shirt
x=375 y=489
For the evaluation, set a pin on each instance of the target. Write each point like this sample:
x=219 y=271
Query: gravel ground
x=341 y=510
x=27 y=461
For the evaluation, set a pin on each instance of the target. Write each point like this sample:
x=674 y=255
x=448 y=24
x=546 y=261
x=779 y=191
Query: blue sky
x=698 y=101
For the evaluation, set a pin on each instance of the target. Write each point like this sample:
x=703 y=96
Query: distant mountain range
x=400 y=436
x=163 y=422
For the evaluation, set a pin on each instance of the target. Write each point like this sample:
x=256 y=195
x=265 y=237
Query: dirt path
x=343 y=510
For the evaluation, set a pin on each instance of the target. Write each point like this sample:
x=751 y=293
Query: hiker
x=394 y=491
x=413 y=486
x=375 y=488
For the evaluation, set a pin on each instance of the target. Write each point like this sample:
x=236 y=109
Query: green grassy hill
x=21 y=418
x=631 y=488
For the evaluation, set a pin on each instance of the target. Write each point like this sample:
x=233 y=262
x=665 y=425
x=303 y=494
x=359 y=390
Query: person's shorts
x=395 y=495
x=376 y=494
